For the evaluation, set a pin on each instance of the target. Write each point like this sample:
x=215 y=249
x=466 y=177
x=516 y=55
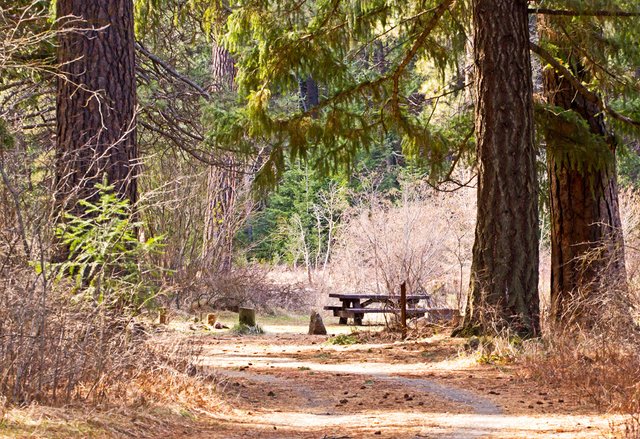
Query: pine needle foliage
x=362 y=53
x=597 y=41
x=573 y=142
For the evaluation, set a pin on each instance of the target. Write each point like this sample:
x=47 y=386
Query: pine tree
x=223 y=180
x=504 y=272
x=588 y=65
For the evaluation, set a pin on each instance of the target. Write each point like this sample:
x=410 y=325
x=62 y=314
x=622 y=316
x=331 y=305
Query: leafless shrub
x=55 y=350
x=250 y=285
x=424 y=239
x=592 y=348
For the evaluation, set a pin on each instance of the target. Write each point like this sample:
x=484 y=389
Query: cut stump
x=316 y=325
x=247 y=316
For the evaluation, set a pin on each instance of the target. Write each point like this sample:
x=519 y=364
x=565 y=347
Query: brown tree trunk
x=96 y=100
x=222 y=193
x=222 y=182
x=587 y=248
x=504 y=273
x=223 y=69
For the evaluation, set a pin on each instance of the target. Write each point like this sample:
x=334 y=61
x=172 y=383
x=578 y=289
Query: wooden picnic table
x=355 y=305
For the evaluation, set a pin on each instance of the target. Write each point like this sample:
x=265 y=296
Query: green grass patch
x=343 y=340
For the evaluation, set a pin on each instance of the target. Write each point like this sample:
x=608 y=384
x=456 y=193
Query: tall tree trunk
x=504 y=273
x=587 y=248
x=96 y=100
x=222 y=182
x=223 y=69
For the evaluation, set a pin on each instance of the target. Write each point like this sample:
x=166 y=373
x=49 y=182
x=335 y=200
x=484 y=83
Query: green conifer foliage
x=276 y=43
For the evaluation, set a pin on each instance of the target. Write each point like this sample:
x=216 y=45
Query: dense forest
x=472 y=165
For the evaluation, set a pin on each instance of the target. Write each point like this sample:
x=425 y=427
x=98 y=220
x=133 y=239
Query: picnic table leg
x=345 y=305
x=357 y=318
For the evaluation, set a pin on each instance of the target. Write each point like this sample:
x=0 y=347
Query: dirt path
x=296 y=386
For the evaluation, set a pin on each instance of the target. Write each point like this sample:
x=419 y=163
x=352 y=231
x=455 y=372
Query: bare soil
x=288 y=385
x=284 y=384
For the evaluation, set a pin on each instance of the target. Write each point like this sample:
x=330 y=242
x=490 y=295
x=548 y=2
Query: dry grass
x=595 y=353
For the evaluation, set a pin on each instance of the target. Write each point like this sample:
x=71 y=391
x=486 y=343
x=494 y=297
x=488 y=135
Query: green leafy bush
x=106 y=262
x=343 y=339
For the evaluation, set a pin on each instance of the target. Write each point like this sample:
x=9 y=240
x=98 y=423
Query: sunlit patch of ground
x=81 y=422
x=286 y=384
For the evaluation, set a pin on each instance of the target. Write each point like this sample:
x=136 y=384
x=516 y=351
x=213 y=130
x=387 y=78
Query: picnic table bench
x=355 y=306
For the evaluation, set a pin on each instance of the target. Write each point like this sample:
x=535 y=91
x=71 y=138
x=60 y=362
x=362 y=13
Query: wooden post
x=403 y=309
x=163 y=316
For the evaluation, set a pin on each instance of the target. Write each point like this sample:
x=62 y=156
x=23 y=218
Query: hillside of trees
x=168 y=164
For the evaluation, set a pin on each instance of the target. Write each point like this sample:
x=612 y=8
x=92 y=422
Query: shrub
x=343 y=339
x=424 y=238
x=106 y=261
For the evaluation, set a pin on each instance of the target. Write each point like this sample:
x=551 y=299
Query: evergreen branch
x=159 y=61
x=587 y=13
x=584 y=91
x=319 y=31
x=394 y=75
x=388 y=31
x=621 y=117
x=557 y=65
x=439 y=12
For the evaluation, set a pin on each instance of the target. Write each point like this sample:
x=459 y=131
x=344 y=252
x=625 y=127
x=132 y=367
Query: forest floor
x=284 y=384
x=287 y=385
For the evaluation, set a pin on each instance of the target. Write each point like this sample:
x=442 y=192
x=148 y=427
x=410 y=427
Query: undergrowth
x=343 y=339
x=242 y=329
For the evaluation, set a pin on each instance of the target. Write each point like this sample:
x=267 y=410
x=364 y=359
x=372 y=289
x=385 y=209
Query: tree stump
x=247 y=316
x=212 y=319
x=316 y=326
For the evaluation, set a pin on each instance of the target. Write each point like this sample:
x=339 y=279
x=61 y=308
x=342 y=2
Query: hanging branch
x=587 y=13
x=159 y=61
x=584 y=91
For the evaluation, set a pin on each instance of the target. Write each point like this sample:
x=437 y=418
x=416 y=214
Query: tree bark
x=504 y=273
x=222 y=193
x=96 y=100
x=223 y=69
x=587 y=248
x=222 y=181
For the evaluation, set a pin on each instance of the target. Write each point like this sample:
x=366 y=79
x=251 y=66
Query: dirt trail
x=295 y=386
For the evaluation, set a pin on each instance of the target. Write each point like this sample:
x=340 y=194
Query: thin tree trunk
x=223 y=180
x=223 y=69
x=96 y=100
x=504 y=273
